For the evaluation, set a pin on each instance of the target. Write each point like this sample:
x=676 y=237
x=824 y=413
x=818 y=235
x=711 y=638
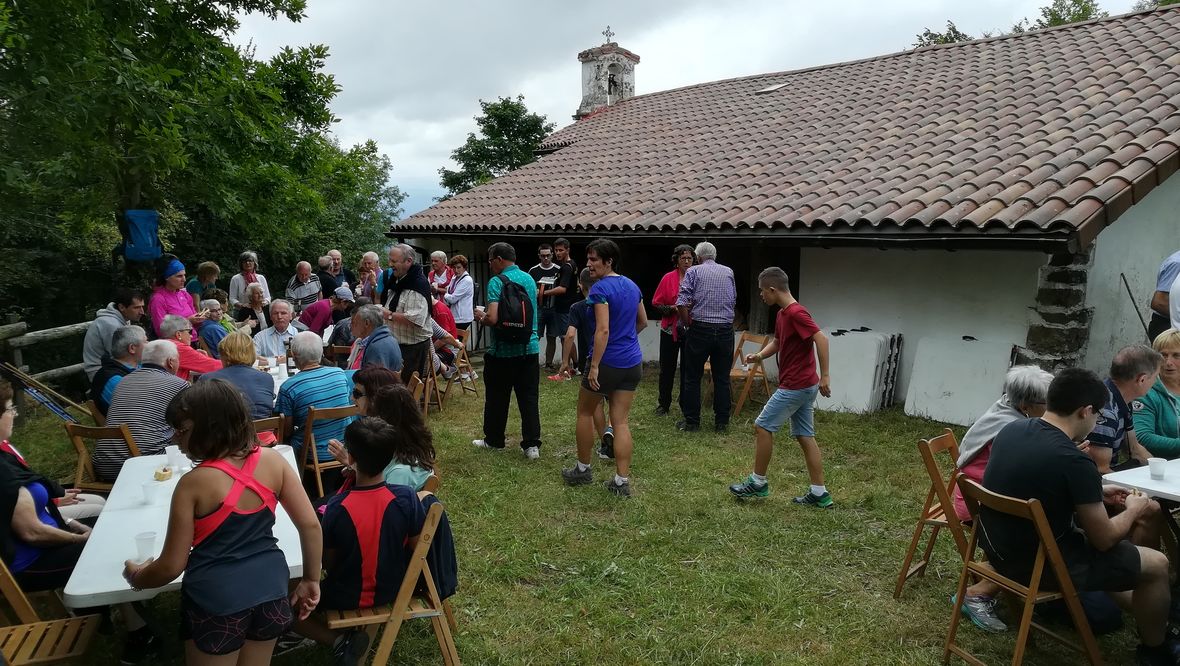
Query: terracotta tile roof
x=1051 y=134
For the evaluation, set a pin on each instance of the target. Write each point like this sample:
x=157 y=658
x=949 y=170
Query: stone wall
x=1060 y=329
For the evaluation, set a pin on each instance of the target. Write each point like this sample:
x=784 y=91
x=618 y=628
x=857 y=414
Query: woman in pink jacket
x=671 y=341
x=169 y=296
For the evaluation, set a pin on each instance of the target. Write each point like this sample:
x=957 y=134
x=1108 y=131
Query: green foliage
x=1064 y=12
x=1143 y=5
x=952 y=35
x=509 y=135
x=148 y=105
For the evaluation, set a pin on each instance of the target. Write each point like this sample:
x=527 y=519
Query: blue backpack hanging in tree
x=141 y=236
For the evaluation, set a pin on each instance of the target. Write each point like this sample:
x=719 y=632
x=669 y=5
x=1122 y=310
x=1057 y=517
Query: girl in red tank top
x=234 y=597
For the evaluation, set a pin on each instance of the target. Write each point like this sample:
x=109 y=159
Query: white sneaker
x=532 y=453
x=481 y=444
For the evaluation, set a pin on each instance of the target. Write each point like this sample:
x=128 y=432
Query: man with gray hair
x=705 y=305
x=316 y=386
x=375 y=345
x=179 y=331
x=272 y=341
x=126 y=349
x=335 y=275
x=440 y=274
x=1132 y=374
x=366 y=284
x=304 y=287
x=406 y=296
x=139 y=402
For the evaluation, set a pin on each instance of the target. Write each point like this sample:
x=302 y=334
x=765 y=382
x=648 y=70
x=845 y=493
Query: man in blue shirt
x=1132 y=374
x=315 y=386
x=126 y=348
x=1160 y=301
x=510 y=367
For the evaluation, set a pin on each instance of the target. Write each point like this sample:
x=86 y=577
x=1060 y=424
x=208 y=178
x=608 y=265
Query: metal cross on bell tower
x=608 y=34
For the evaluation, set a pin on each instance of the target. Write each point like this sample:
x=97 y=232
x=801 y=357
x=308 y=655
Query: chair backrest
x=339 y=353
x=415 y=386
x=944 y=487
x=324 y=414
x=746 y=336
x=100 y=419
x=78 y=435
x=16 y=597
x=273 y=424
x=431 y=484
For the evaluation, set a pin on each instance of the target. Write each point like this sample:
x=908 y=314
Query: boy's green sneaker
x=823 y=501
x=748 y=489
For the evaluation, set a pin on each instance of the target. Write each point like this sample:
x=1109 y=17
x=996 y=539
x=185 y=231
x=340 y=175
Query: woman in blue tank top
x=220 y=532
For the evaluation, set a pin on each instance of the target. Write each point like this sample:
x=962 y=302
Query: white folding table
x=1140 y=478
x=97 y=579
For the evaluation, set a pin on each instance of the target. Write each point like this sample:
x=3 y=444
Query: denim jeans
x=669 y=351
x=501 y=378
x=712 y=343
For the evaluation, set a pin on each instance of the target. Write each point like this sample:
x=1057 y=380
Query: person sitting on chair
x=1040 y=459
x=126 y=347
x=1132 y=374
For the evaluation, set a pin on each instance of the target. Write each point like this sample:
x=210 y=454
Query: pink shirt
x=317 y=316
x=974 y=471
x=166 y=302
x=192 y=361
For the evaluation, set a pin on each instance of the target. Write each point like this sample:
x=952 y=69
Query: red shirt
x=793 y=330
x=317 y=316
x=444 y=318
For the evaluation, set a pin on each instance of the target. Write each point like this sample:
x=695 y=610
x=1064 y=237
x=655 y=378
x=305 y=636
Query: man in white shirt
x=1163 y=306
x=271 y=342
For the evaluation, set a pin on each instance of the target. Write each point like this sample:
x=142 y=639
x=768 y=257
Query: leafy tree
x=1141 y=5
x=509 y=135
x=121 y=105
x=952 y=35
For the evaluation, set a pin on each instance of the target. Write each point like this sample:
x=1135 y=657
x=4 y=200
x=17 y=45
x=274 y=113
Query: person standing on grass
x=616 y=365
x=545 y=275
x=671 y=341
x=705 y=304
x=510 y=366
x=579 y=333
x=797 y=341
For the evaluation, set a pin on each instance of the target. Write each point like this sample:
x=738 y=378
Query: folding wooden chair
x=339 y=354
x=1047 y=552
x=84 y=476
x=272 y=425
x=414 y=386
x=417 y=598
x=432 y=395
x=464 y=373
x=938 y=511
x=35 y=641
x=431 y=484
x=740 y=372
x=311 y=460
x=100 y=419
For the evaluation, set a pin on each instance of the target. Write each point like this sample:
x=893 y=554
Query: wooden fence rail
x=16 y=337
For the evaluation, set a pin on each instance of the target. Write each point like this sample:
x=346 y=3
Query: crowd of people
x=189 y=377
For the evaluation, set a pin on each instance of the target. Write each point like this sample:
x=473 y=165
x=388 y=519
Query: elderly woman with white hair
x=1025 y=390
x=440 y=274
x=247 y=275
x=253 y=310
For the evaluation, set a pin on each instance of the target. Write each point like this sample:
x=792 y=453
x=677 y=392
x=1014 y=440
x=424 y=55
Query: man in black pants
x=706 y=304
x=509 y=367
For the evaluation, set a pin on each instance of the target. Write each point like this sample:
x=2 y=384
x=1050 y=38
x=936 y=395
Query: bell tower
x=608 y=75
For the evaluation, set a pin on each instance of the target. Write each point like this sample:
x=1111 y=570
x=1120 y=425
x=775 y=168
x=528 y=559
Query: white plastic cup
x=150 y=490
x=480 y=309
x=1157 y=466
x=175 y=458
x=145 y=546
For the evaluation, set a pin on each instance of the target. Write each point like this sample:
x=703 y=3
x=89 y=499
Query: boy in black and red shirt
x=370 y=531
x=797 y=341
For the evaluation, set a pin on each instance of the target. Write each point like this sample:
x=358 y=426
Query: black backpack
x=514 y=316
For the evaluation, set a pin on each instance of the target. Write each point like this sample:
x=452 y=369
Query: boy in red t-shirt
x=795 y=332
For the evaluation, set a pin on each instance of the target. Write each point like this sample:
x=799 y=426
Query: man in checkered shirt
x=705 y=304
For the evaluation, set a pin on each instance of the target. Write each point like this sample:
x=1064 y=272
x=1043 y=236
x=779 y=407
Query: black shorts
x=1114 y=570
x=615 y=379
x=223 y=634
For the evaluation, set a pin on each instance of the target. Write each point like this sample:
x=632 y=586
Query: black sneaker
x=661 y=411
x=720 y=427
x=289 y=642
x=1165 y=654
x=606 y=450
x=621 y=489
x=141 y=645
x=350 y=649
x=823 y=501
x=685 y=426
x=573 y=477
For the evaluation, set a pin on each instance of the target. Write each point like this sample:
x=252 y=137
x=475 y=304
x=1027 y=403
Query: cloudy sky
x=413 y=73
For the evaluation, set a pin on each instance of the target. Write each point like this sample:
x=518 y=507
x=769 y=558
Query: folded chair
x=938 y=511
x=742 y=374
x=464 y=373
x=84 y=476
x=35 y=641
x=417 y=598
x=311 y=459
x=1031 y=510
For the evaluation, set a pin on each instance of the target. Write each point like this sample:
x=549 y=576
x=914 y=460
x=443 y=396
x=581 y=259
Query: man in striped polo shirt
x=314 y=386
x=139 y=402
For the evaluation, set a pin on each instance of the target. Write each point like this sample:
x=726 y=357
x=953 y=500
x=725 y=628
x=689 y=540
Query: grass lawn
x=681 y=573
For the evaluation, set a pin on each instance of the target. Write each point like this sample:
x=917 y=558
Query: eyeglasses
x=357 y=394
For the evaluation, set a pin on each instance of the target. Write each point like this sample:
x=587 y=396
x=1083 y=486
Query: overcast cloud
x=413 y=73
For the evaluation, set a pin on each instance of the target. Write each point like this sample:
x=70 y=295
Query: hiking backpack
x=514 y=316
x=140 y=230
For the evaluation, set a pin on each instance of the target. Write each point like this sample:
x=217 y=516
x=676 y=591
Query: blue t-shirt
x=320 y=388
x=257 y=387
x=623 y=298
x=1168 y=272
x=581 y=317
x=506 y=350
x=23 y=554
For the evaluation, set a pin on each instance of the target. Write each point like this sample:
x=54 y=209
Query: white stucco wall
x=984 y=294
x=1134 y=245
